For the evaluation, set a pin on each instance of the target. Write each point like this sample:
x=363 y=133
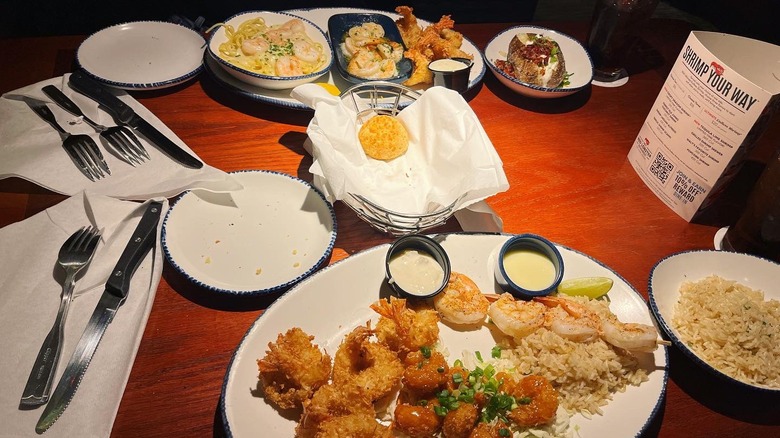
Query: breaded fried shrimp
x=403 y=329
x=371 y=366
x=292 y=369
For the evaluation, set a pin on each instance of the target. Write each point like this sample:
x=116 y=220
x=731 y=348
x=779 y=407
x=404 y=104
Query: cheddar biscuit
x=383 y=137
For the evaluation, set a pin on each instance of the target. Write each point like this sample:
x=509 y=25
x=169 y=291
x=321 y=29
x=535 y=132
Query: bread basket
x=381 y=97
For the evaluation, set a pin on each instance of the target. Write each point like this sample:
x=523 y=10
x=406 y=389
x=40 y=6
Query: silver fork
x=75 y=254
x=82 y=148
x=121 y=138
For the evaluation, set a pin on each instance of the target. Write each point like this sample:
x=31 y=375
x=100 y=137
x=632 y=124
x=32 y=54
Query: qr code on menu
x=661 y=168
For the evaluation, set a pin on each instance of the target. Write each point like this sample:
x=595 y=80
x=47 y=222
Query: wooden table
x=570 y=181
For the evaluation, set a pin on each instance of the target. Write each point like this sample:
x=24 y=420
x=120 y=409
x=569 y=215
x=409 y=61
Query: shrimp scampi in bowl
x=271 y=50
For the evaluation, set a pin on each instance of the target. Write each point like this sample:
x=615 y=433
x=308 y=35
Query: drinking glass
x=612 y=31
x=757 y=231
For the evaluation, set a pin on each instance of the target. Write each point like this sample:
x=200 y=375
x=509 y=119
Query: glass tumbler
x=757 y=231
x=612 y=31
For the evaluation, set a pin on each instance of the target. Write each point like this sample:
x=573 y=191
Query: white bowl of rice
x=273 y=50
x=722 y=309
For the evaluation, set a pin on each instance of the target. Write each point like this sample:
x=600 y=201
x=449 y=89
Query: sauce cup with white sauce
x=452 y=73
x=416 y=266
x=529 y=266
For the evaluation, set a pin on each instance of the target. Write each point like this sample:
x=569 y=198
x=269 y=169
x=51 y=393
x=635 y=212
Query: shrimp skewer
x=571 y=320
x=461 y=302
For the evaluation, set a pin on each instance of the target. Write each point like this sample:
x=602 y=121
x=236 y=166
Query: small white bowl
x=669 y=273
x=578 y=63
x=534 y=244
x=218 y=37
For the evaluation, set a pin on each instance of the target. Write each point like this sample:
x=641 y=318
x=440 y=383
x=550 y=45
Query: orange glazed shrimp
x=426 y=371
x=292 y=369
x=537 y=402
x=416 y=421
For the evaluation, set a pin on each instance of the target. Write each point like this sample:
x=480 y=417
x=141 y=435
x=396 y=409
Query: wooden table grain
x=569 y=181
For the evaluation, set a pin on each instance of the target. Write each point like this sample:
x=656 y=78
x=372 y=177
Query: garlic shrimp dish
x=281 y=50
x=369 y=53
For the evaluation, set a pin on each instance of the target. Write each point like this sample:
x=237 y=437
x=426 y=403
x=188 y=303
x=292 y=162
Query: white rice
x=732 y=328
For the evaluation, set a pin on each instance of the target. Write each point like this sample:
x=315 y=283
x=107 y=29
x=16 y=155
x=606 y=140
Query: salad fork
x=75 y=254
x=121 y=138
x=82 y=148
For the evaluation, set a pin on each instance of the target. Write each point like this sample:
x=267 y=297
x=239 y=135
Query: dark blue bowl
x=534 y=243
x=339 y=25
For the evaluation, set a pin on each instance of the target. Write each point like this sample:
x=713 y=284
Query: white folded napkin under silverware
x=29 y=299
x=31 y=149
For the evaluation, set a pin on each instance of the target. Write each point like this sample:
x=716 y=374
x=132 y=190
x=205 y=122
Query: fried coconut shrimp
x=436 y=41
x=371 y=366
x=405 y=330
x=461 y=302
x=340 y=411
x=292 y=369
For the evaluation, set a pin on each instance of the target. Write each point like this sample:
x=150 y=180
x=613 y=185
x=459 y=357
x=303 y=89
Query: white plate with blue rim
x=320 y=17
x=330 y=303
x=264 y=238
x=579 y=67
x=142 y=55
x=668 y=275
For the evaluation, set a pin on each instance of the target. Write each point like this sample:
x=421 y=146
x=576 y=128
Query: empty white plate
x=271 y=234
x=142 y=55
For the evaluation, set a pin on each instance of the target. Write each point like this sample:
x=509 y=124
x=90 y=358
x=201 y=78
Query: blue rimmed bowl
x=528 y=265
x=338 y=29
x=219 y=36
x=579 y=66
x=264 y=238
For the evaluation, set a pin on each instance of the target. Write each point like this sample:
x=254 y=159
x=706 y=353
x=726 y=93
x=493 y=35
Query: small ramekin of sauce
x=416 y=266
x=529 y=266
x=452 y=73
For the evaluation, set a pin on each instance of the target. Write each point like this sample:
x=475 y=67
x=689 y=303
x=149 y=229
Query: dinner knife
x=117 y=287
x=125 y=115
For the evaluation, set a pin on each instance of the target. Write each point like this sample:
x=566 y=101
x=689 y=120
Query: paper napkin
x=30 y=148
x=30 y=285
x=450 y=157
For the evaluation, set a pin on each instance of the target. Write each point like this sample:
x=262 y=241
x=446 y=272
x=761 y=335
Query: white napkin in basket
x=450 y=157
x=30 y=285
x=30 y=148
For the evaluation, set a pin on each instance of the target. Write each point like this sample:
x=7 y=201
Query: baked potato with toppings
x=537 y=60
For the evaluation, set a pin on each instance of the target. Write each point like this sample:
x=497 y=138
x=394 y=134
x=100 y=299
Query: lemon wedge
x=332 y=89
x=591 y=287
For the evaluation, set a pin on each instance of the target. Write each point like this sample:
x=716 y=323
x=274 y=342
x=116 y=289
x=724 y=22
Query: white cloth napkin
x=450 y=157
x=30 y=148
x=30 y=285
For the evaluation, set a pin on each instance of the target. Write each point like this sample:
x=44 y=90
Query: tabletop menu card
x=717 y=100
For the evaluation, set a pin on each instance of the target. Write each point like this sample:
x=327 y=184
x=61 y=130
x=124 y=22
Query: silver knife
x=125 y=115
x=117 y=287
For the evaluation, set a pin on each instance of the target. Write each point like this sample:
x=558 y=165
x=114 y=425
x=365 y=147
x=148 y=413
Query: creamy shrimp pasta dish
x=392 y=376
x=369 y=54
x=275 y=50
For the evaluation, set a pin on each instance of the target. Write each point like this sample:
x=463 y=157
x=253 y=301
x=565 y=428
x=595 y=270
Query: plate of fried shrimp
x=339 y=355
x=429 y=41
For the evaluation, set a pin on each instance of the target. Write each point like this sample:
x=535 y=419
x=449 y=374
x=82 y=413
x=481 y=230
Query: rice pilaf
x=586 y=374
x=732 y=328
